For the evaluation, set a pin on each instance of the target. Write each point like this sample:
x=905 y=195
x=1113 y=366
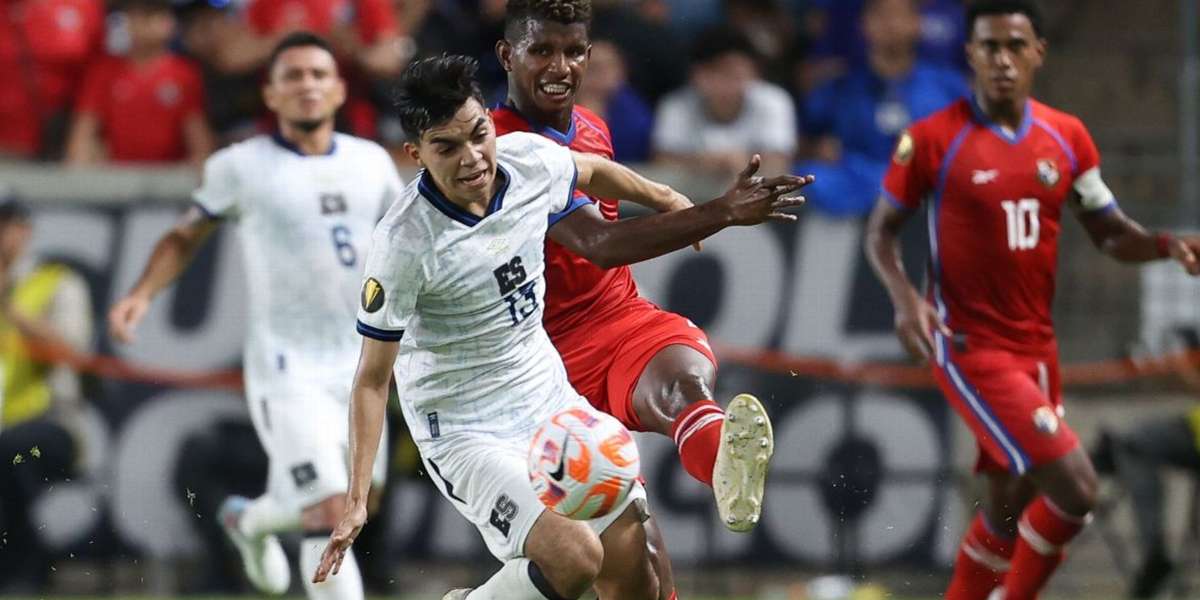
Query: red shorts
x=606 y=358
x=1011 y=402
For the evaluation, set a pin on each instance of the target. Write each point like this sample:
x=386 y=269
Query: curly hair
x=566 y=12
x=432 y=90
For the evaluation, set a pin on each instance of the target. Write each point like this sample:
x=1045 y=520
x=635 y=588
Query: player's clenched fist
x=916 y=320
x=753 y=199
x=125 y=315
x=339 y=543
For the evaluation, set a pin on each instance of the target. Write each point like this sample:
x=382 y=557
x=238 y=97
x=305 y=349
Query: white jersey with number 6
x=304 y=224
x=463 y=295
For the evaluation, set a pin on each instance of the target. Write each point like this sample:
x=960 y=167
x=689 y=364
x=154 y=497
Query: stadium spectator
x=854 y=121
x=44 y=45
x=727 y=112
x=146 y=106
x=42 y=307
x=232 y=100
x=1139 y=455
x=606 y=91
x=772 y=29
x=839 y=43
x=658 y=61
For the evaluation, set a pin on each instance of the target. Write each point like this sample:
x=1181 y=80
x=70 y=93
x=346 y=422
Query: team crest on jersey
x=904 y=149
x=1045 y=420
x=372 y=295
x=1047 y=172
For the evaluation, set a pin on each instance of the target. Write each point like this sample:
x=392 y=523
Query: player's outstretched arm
x=1124 y=239
x=751 y=200
x=368 y=411
x=604 y=178
x=171 y=255
x=916 y=319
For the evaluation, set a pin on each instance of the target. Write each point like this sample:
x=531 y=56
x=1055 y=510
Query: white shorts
x=487 y=480
x=305 y=429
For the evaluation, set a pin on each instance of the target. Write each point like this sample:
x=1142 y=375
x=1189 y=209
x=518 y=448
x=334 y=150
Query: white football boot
x=263 y=559
x=741 y=468
x=459 y=594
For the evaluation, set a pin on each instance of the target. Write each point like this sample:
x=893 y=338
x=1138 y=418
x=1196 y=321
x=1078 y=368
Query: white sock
x=266 y=515
x=511 y=582
x=346 y=585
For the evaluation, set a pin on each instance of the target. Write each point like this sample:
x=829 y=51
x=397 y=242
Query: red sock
x=1044 y=530
x=982 y=562
x=697 y=434
x=673 y=596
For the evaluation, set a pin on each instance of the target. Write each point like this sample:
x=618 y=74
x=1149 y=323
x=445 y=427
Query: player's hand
x=753 y=199
x=340 y=541
x=1184 y=250
x=125 y=315
x=916 y=322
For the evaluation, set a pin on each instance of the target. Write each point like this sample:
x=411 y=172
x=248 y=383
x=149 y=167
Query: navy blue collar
x=563 y=139
x=1012 y=138
x=286 y=145
x=430 y=192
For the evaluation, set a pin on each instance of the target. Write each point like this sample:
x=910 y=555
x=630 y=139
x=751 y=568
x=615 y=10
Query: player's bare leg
x=628 y=571
x=674 y=397
x=1067 y=490
x=662 y=562
x=318 y=521
x=563 y=558
x=251 y=526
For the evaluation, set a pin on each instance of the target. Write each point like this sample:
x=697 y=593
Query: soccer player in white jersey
x=306 y=201
x=452 y=301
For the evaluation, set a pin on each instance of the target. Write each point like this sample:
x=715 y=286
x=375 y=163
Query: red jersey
x=44 y=45
x=997 y=200
x=576 y=289
x=142 y=108
x=372 y=18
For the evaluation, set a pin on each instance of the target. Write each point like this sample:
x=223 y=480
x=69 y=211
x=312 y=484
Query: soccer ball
x=582 y=463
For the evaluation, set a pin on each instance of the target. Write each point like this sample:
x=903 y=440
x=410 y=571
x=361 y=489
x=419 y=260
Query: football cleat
x=740 y=472
x=459 y=594
x=263 y=559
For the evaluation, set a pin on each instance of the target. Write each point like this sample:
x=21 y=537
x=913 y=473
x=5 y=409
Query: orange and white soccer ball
x=583 y=463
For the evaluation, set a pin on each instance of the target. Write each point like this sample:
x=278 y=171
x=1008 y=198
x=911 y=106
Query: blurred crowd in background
x=819 y=86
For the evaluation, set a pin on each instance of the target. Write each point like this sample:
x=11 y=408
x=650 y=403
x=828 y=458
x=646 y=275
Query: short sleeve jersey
x=142 y=108
x=996 y=199
x=577 y=290
x=304 y=225
x=463 y=295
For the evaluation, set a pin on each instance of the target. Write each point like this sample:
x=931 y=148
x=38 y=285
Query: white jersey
x=304 y=225
x=463 y=295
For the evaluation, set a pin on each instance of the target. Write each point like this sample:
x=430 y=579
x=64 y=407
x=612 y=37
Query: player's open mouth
x=556 y=91
x=474 y=180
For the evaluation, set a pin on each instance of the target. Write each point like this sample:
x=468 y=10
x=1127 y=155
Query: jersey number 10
x=1023 y=224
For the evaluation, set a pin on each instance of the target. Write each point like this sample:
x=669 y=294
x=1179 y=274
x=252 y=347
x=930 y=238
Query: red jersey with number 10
x=576 y=289
x=996 y=203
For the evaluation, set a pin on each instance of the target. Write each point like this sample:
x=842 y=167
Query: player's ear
x=340 y=90
x=1041 y=46
x=504 y=54
x=268 y=95
x=413 y=152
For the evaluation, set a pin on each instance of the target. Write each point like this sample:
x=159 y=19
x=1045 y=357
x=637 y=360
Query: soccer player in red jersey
x=998 y=171
x=652 y=369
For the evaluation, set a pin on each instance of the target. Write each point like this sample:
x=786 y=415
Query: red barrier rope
x=1106 y=372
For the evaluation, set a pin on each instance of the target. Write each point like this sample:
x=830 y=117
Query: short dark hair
x=987 y=8
x=566 y=12
x=13 y=211
x=718 y=41
x=297 y=39
x=432 y=89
